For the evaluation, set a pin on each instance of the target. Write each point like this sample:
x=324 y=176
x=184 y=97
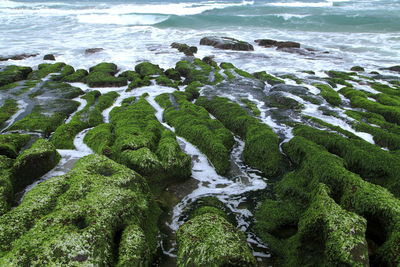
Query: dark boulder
x=49 y=57
x=226 y=43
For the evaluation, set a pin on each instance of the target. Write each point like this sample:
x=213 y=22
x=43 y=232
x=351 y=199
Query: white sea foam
x=135 y=19
x=302 y=4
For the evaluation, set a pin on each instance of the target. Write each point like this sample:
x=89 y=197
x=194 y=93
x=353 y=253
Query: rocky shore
x=202 y=164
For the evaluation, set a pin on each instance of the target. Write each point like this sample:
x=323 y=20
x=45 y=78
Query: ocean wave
x=304 y=22
x=186 y=8
x=127 y=19
x=302 y=4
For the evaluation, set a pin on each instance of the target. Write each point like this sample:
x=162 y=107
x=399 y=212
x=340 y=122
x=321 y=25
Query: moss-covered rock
x=78 y=76
x=139 y=82
x=359 y=99
x=261 y=143
x=330 y=95
x=199 y=71
x=142 y=143
x=265 y=77
x=11 y=144
x=173 y=74
x=194 y=124
x=106 y=67
x=9 y=108
x=79 y=218
x=165 y=81
x=148 y=69
x=209 y=239
x=89 y=116
x=34 y=162
x=370 y=162
x=6 y=189
x=13 y=73
x=103 y=79
x=46 y=69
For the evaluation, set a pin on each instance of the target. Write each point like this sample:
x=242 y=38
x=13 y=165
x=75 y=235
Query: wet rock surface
x=226 y=43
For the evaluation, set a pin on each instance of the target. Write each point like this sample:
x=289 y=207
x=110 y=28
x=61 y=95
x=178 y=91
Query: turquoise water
x=362 y=32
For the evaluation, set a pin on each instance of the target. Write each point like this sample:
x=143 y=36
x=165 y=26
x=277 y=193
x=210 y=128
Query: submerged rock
x=226 y=43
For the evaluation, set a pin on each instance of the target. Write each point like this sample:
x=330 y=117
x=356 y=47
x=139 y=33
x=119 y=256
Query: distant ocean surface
x=359 y=32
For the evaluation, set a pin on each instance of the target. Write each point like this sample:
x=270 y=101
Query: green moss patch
x=13 y=73
x=330 y=95
x=142 y=143
x=209 y=239
x=194 y=124
x=89 y=116
x=9 y=108
x=46 y=69
x=261 y=143
x=79 y=218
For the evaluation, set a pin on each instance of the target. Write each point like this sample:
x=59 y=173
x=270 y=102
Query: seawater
x=362 y=32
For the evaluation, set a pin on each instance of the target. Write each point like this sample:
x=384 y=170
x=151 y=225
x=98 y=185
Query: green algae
x=148 y=69
x=370 y=162
x=192 y=90
x=46 y=69
x=142 y=143
x=12 y=73
x=100 y=139
x=291 y=77
x=34 y=162
x=359 y=99
x=194 y=124
x=6 y=189
x=11 y=144
x=209 y=239
x=261 y=143
x=78 y=76
x=89 y=116
x=102 y=75
x=165 y=81
x=109 y=68
x=66 y=71
x=251 y=106
x=373 y=202
x=335 y=213
x=330 y=95
x=266 y=77
x=103 y=79
x=78 y=218
x=9 y=108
